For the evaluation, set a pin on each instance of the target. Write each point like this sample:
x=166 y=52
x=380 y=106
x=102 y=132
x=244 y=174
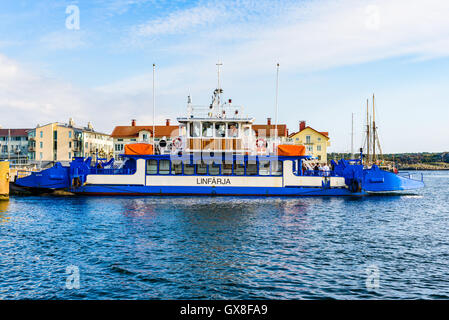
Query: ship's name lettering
x=213 y=181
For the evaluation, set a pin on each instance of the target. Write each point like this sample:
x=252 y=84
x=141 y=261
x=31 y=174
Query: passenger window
x=233 y=129
x=201 y=168
x=208 y=129
x=176 y=168
x=220 y=129
x=264 y=168
x=239 y=169
x=226 y=169
x=214 y=169
x=276 y=168
x=151 y=166
x=251 y=169
x=164 y=167
x=188 y=169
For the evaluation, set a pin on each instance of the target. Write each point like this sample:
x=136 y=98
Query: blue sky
x=333 y=55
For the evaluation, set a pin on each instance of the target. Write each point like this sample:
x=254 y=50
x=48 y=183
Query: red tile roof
x=282 y=129
x=14 y=132
x=133 y=131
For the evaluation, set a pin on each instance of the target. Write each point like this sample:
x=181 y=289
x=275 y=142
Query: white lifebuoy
x=177 y=143
x=261 y=145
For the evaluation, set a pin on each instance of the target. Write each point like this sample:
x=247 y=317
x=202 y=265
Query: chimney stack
x=269 y=121
x=133 y=122
x=302 y=125
x=167 y=122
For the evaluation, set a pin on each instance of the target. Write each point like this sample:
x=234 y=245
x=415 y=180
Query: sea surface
x=389 y=247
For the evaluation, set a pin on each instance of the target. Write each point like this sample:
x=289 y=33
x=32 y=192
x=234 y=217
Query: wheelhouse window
x=220 y=129
x=233 y=129
x=195 y=128
x=208 y=129
x=151 y=166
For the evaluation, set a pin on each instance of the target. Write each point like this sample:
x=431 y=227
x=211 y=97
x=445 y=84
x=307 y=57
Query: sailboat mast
x=154 y=109
x=374 y=132
x=276 y=111
x=368 y=136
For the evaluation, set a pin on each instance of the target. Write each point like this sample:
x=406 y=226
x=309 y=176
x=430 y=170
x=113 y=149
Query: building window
x=70 y=134
x=119 y=139
x=41 y=134
x=319 y=139
x=310 y=148
x=55 y=135
x=318 y=148
x=70 y=144
x=70 y=155
x=308 y=139
x=40 y=155
x=41 y=144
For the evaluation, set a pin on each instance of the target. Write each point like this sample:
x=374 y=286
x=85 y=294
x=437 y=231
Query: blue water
x=227 y=248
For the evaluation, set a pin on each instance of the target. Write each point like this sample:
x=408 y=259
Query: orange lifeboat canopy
x=138 y=149
x=291 y=150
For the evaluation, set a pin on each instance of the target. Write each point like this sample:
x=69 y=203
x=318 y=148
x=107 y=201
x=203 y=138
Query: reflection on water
x=4 y=205
x=234 y=248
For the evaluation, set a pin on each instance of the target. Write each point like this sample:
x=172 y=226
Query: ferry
x=215 y=152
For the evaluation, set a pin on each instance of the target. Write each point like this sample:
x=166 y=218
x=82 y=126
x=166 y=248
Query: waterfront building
x=14 y=145
x=267 y=132
x=95 y=142
x=123 y=135
x=316 y=142
x=63 y=141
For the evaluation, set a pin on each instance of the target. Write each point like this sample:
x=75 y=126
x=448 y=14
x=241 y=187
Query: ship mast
x=219 y=64
x=368 y=136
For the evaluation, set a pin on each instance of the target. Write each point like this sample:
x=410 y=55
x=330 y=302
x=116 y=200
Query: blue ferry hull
x=211 y=191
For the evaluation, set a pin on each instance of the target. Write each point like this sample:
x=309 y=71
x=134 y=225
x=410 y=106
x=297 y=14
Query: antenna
x=276 y=111
x=154 y=109
x=219 y=64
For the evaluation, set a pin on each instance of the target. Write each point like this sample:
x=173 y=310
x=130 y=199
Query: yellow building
x=61 y=142
x=316 y=142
